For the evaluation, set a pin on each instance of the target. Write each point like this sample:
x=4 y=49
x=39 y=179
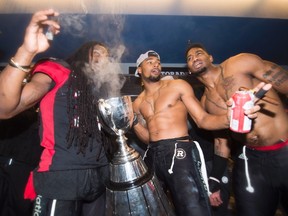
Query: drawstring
x=203 y=166
x=145 y=153
x=249 y=187
x=173 y=159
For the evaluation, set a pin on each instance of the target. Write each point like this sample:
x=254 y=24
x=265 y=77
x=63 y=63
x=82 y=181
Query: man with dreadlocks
x=70 y=178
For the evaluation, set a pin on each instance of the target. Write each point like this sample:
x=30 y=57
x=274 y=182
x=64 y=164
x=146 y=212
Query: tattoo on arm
x=276 y=76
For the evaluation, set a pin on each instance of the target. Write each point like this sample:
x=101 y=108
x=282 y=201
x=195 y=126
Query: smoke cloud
x=106 y=28
x=107 y=72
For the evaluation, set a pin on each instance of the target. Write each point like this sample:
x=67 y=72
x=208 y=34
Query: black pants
x=184 y=181
x=48 y=207
x=268 y=172
x=13 y=178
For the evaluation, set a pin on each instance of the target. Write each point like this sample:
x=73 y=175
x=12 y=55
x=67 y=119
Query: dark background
x=168 y=35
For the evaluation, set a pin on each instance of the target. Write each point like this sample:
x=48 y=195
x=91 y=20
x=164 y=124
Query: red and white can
x=239 y=122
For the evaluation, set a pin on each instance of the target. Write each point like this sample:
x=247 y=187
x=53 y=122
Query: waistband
x=273 y=147
x=168 y=141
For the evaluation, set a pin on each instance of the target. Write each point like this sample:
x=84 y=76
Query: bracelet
x=14 y=64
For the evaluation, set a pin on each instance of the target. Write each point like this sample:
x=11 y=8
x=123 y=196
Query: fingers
x=258 y=87
x=260 y=91
x=262 y=86
x=44 y=17
x=252 y=113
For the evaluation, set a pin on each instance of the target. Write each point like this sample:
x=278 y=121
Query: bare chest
x=159 y=102
x=215 y=102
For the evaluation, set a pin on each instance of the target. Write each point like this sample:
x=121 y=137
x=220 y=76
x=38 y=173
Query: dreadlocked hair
x=82 y=103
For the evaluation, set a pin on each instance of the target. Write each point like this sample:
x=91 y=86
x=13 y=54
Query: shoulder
x=245 y=62
x=176 y=82
x=244 y=57
x=179 y=86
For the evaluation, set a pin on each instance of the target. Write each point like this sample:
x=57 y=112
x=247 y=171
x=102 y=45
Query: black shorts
x=268 y=174
x=85 y=184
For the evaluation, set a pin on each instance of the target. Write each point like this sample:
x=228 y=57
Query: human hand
x=259 y=92
x=35 y=40
x=215 y=199
x=251 y=113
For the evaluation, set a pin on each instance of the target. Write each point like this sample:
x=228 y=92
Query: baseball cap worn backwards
x=143 y=57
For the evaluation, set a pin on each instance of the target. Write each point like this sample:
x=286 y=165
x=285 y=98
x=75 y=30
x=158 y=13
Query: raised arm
x=198 y=114
x=14 y=96
x=265 y=71
x=205 y=120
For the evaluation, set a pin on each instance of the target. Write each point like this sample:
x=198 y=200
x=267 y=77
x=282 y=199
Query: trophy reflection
x=132 y=190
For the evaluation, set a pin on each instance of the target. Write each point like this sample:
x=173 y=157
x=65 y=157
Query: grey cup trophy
x=132 y=190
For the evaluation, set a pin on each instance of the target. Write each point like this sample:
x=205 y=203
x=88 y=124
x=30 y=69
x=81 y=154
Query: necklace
x=157 y=93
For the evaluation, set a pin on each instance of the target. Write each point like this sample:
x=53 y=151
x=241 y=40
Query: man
x=70 y=178
x=262 y=185
x=164 y=105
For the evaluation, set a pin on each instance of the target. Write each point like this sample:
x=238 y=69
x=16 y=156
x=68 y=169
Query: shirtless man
x=164 y=105
x=265 y=148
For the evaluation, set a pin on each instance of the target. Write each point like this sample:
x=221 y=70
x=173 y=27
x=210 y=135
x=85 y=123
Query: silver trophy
x=132 y=190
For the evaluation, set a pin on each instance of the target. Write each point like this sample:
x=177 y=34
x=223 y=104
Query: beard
x=199 y=72
x=152 y=78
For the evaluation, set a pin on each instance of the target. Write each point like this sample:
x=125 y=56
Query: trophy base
x=146 y=199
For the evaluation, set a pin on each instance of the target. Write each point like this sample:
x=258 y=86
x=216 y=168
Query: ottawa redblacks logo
x=180 y=153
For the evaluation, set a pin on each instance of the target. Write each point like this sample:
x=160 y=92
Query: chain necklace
x=151 y=105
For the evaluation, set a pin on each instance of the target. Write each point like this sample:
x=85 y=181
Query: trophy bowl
x=117 y=113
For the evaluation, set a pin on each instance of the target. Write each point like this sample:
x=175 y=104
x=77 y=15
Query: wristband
x=214 y=184
x=219 y=166
x=135 y=120
x=14 y=64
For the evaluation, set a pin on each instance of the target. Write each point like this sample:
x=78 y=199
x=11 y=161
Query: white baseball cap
x=143 y=57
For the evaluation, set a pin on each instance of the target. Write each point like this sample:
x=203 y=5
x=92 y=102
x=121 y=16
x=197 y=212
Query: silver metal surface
x=132 y=189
